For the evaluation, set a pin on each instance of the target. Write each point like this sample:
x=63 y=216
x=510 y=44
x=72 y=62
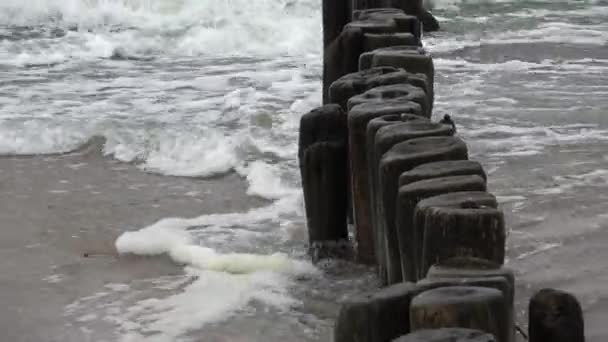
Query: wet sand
x=54 y=209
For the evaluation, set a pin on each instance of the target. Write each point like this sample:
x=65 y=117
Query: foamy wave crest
x=40 y=137
x=265 y=181
x=201 y=153
x=98 y=28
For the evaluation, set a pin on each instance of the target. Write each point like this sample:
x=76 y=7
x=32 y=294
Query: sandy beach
x=56 y=209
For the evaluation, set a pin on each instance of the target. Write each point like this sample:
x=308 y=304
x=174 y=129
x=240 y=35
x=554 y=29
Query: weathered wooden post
x=383 y=28
x=400 y=158
x=323 y=164
x=447 y=335
x=385 y=138
x=373 y=41
x=404 y=22
x=336 y=14
x=408 y=197
x=376 y=317
x=442 y=169
x=465 y=230
x=372 y=128
x=417 y=8
x=358 y=118
x=349 y=85
x=476 y=272
x=402 y=90
x=411 y=58
x=555 y=316
x=430 y=171
x=356 y=83
x=470 y=307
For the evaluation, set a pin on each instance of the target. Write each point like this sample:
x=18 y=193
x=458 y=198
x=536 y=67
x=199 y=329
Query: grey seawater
x=528 y=88
x=197 y=89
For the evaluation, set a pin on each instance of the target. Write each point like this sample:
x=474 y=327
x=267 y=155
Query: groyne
x=421 y=211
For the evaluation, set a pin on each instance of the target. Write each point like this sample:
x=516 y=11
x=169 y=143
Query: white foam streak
x=223 y=283
x=212 y=297
x=170 y=236
x=39 y=137
x=173 y=27
x=206 y=157
x=265 y=181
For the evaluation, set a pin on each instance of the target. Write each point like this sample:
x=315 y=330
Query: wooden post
x=442 y=169
x=341 y=56
x=478 y=272
x=447 y=335
x=555 y=316
x=401 y=158
x=403 y=91
x=323 y=164
x=407 y=198
x=358 y=118
x=470 y=307
x=372 y=128
x=411 y=58
x=356 y=83
x=336 y=14
x=380 y=316
x=466 y=230
x=385 y=138
x=373 y=41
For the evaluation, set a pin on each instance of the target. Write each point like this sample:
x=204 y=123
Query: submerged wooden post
x=356 y=83
x=476 y=272
x=457 y=199
x=358 y=118
x=402 y=90
x=372 y=128
x=376 y=317
x=336 y=14
x=465 y=230
x=323 y=164
x=442 y=169
x=555 y=316
x=408 y=197
x=470 y=307
x=401 y=158
x=385 y=138
x=447 y=335
x=420 y=173
x=350 y=85
x=341 y=55
x=411 y=58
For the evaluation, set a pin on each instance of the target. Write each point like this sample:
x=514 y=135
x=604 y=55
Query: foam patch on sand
x=170 y=237
x=212 y=297
x=163 y=310
x=215 y=286
x=180 y=247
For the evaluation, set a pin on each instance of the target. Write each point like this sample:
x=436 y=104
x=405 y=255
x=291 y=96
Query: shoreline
x=58 y=208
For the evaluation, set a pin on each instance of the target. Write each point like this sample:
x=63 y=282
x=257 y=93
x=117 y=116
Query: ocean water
x=200 y=88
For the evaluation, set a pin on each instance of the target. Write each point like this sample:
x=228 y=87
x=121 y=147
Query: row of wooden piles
x=422 y=214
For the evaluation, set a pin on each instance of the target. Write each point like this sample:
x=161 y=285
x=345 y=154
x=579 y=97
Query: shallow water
x=200 y=88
